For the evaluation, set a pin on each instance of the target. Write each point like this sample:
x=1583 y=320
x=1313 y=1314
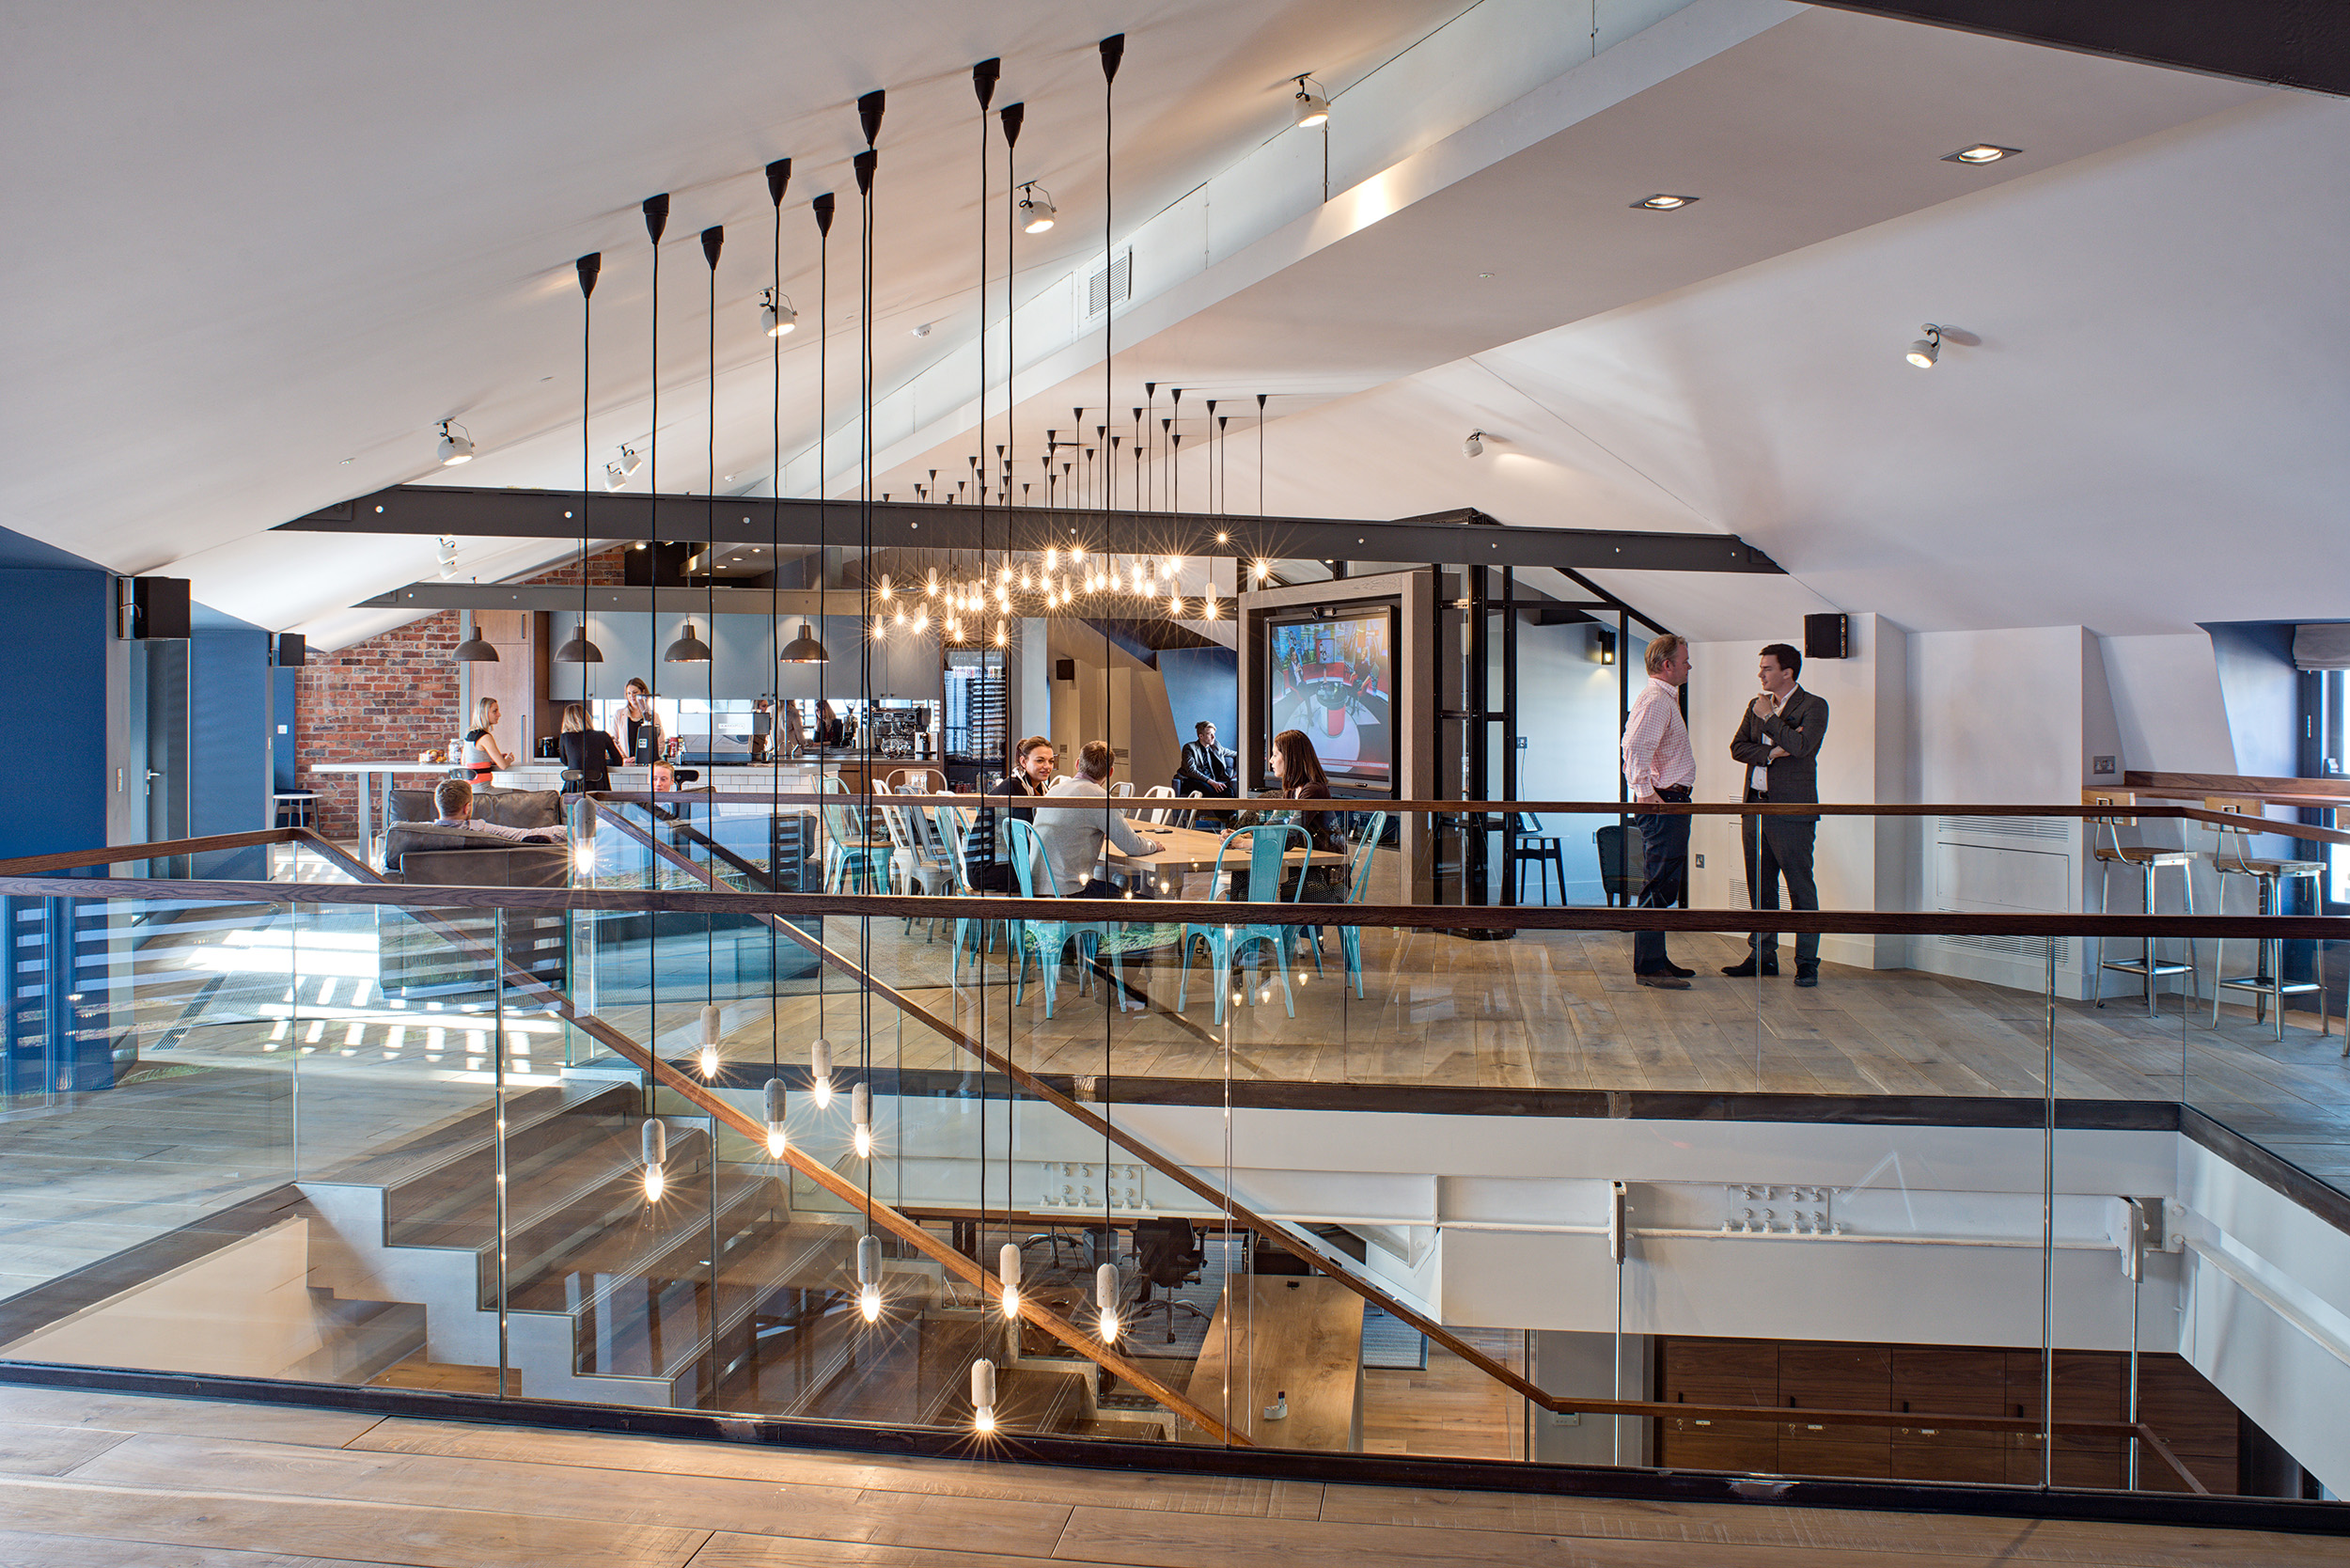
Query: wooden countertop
x=1303 y=1335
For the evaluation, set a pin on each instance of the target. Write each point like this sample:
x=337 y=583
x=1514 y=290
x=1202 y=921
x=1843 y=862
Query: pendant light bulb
x=1003 y=637
x=455 y=447
x=1312 y=108
x=775 y=316
x=861 y=1119
x=930 y=586
x=820 y=1072
x=1036 y=208
x=655 y=1148
x=869 y=1299
x=777 y=1111
x=1008 y=1272
x=983 y=1396
x=1106 y=1301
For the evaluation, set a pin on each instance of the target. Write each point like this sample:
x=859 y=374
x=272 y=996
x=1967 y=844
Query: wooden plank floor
x=91 y=1479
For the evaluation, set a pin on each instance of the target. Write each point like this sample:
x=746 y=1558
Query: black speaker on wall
x=294 y=650
x=1064 y=669
x=1827 y=637
x=159 y=607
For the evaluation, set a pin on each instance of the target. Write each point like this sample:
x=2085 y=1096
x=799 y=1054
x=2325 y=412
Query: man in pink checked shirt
x=1658 y=767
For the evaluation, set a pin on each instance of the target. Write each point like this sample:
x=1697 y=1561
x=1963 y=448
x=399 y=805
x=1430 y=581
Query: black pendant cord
x=870 y=109
x=778 y=180
x=1012 y=118
x=587 y=267
x=1113 y=50
x=822 y=208
x=713 y=238
x=983 y=78
x=656 y=219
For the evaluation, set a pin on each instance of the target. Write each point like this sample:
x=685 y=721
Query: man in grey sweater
x=1071 y=837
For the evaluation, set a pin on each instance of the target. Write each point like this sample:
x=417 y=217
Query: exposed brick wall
x=391 y=697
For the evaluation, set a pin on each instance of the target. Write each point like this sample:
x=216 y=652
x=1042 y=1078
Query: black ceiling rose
x=712 y=238
x=778 y=180
x=822 y=207
x=589 y=265
x=983 y=79
x=869 y=114
x=656 y=216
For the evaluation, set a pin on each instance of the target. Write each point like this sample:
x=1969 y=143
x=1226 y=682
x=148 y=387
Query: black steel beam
x=431 y=510
x=2285 y=44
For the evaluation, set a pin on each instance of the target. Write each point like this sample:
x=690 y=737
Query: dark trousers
x=1780 y=847
x=1665 y=843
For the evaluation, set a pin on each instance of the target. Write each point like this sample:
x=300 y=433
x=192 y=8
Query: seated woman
x=589 y=753
x=1295 y=764
x=986 y=853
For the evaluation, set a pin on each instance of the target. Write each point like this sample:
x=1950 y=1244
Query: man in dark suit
x=1778 y=744
x=1205 y=768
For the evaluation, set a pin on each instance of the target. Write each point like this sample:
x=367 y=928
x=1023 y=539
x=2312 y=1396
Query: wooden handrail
x=824 y=1176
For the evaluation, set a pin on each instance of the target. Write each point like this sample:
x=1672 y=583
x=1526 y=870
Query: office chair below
x=1168 y=1253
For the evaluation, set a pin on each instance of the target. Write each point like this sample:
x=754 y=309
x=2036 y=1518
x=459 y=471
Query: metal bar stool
x=2232 y=858
x=2148 y=860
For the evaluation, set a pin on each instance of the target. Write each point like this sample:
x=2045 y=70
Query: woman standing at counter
x=483 y=754
x=640 y=738
x=586 y=752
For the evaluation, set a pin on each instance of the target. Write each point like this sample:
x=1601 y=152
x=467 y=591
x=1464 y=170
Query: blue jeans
x=1664 y=845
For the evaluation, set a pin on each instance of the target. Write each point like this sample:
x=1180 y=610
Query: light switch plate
x=2103 y=766
x=1701 y=862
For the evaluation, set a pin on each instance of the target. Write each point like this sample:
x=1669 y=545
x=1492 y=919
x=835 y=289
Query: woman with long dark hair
x=1297 y=768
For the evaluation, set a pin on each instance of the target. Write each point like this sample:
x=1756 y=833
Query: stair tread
x=637 y=1247
x=611 y=1162
x=905 y=1371
x=810 y=1255
x=470 y=1129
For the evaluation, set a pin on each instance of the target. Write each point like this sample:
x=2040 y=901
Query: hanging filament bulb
x=583 y=857
x=1106 y=1301
x=1175 y=606
x=861 y=1120
x=777 y=1110
x=1052 y=558
x=1264 y=570
x=921 y=620
x=983 y=1396
x=1027 y=581
x=1005 y=576
x=1076 y=552
x=929 y=588
x=656 y=1152
x=1173 y=567
x=820 y=1072
x=1207 y=604
x=881 y=629
x=869 y=1300
x=1008 y=1273
x=1003 y=638
x=885 y=588
x=902 y=615
x=1003 y=597
x=710 y=1041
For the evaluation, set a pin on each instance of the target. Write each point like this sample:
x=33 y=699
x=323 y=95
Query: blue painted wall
x=228 y=758
x=53 y=644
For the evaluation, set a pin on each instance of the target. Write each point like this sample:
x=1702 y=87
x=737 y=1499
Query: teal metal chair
x=1358 y=878
x=1267 y=843
x=851 y=858
x=1048 y=940
x=971 y=935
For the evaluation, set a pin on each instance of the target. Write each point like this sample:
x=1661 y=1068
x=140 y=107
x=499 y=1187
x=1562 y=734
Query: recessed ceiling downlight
x=1663 y=203
x=1982 y=152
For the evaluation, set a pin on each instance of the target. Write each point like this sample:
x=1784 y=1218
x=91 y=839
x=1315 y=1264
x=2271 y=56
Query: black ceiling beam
x=2284 y=43
x=738 y=519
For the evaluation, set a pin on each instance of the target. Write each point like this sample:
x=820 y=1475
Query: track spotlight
x=775 y=316
x=1923 y=353
x=613 y=477
x=456 y=446
x=1036 y=208
x=1312 y=108
x=869 y=1301
x=631 y=459
x=777 y=1112
x=1474 y=445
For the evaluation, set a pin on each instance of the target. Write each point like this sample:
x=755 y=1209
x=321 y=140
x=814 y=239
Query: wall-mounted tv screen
x=1333 y=676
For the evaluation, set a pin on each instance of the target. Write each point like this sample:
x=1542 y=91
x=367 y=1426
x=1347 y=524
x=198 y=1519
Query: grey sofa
x=423 y=952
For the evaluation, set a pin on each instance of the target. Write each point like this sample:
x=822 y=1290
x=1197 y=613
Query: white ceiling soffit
x=1793 y=126
x=263 y=248
x=2144 y=435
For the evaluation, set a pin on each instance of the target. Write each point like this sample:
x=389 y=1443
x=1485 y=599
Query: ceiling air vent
x=1113 y=284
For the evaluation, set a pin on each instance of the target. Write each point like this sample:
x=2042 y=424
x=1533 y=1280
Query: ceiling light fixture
x=455 y=447
x=577 y=649
x=1923 y=353
x=1036 y=208
x=1312 y=108
x=1474 y=445
x=775 y=316
x=1982 y=152
x=613 y=477
x=688 y=649
x=1663 y=203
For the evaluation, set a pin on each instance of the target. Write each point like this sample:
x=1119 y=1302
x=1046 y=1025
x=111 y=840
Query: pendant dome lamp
x=690 y=649
x=577 y=649
x=476 y=650
x=806 y=649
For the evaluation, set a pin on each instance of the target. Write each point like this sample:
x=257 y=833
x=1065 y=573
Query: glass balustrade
x=1443 y=1182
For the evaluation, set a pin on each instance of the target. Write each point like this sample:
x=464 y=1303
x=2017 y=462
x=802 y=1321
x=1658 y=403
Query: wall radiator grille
x=2009 y=827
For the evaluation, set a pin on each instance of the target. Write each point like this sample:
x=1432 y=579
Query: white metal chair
x=2234 y=857
x=1156 y=816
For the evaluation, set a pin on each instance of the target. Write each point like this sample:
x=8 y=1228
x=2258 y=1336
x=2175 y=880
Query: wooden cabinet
x=1787 y=1378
